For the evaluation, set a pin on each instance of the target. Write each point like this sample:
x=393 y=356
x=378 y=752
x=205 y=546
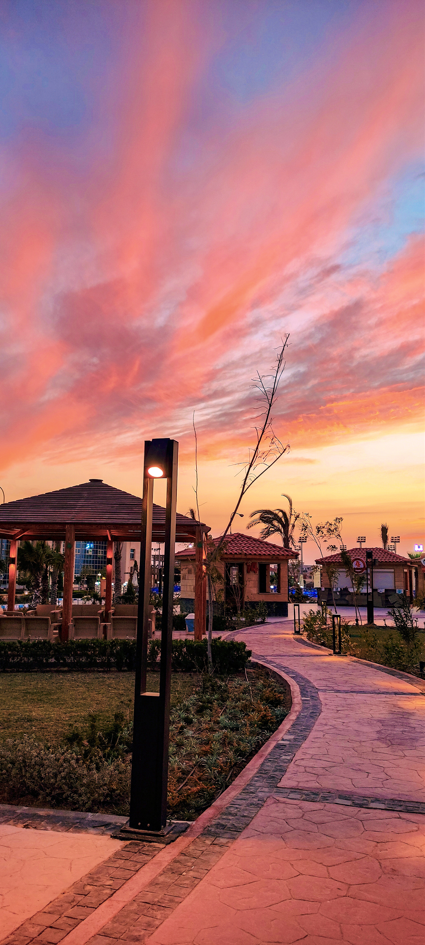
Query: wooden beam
x=108 y=590
x=200 y=586
x=13 y=563
x=68 y=580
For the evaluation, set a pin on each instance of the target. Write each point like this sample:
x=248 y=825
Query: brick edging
x=132 y=880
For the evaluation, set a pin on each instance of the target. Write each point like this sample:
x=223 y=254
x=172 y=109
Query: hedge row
x=187 y=655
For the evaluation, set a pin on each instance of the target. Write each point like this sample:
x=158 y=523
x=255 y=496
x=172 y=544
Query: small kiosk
x=250 y=571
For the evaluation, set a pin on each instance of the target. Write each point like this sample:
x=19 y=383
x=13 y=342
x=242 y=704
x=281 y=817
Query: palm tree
x=384 y=536
x=277 y=522
x=35 y=558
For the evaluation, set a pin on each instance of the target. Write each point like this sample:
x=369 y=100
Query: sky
x=182 y=185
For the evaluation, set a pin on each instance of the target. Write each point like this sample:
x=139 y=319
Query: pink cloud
x=145 y=290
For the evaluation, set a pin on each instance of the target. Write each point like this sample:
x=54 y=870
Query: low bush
x=187 y=655
x=213 y=733
x=389 y=649
x=61 y=777
x=317 y=627
x=400 y=648
x=404 y=621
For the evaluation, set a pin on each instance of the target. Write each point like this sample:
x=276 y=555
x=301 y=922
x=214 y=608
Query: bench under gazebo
x=91 y=511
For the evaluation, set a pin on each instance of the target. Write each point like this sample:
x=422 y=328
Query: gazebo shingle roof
x=90 y=505
x=239 y=545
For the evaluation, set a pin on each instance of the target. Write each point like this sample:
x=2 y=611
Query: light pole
x=301 y=543
x=4 y=497
x=370 y=561
x=361 y=540
x=149 y=775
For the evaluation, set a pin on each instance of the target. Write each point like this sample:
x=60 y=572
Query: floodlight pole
x=149 y=776
x=369 y=571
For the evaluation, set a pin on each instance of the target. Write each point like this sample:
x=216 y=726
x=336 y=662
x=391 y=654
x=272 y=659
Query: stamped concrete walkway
x=321 y=840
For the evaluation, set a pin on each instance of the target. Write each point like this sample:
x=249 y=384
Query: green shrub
x=213 y=733
x=59 y=777
x=220 y=623
x=179 y=622
x=403 y=620
x=187 y=655
x=389 y=650
x=318 y=628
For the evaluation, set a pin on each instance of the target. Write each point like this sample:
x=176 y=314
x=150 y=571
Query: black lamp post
x=149 y=776
x=370 y=561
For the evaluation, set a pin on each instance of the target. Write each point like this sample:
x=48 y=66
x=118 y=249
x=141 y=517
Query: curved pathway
x=320 y=839
x=335 y=853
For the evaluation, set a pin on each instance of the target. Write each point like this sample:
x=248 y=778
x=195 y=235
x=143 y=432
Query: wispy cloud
x=154 y=268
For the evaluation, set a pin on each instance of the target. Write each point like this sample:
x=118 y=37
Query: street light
x=149 y=774
x=370 y=562
x=302 y=540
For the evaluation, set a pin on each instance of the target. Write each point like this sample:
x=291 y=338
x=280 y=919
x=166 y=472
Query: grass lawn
x=47 y=705
x=66 y=738
x=357 y=633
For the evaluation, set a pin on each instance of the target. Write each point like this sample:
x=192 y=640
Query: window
x=274 y=578
x=262 y=578
x=132 y=550
x=234 y=575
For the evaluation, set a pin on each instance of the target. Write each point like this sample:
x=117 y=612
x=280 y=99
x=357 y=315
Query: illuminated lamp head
x=158 y=458
x=155 y=472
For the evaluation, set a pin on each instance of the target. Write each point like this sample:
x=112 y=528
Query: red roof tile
x=382 y=556
x=239 y=546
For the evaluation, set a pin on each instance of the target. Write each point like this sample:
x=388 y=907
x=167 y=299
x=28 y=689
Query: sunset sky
x=184 y=183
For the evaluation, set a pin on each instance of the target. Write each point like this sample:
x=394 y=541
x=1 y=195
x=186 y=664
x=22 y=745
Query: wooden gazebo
x=92 y=510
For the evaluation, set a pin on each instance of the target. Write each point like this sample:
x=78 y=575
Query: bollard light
x=336 y=630
x=297 y=619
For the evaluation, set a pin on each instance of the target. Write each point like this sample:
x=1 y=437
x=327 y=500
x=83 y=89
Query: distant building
x=393 y=575
x=4 y=555
x=90 y=555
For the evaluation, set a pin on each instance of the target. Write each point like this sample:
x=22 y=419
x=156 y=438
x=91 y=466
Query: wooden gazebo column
x=200 y=586
x=108 y=589
x=68 y=580
x=13 y=566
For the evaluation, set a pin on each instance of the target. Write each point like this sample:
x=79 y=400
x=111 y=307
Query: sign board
x=423 y=561
x=358 y=565
x=419 y=547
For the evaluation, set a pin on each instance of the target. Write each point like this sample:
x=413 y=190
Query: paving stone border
x=64 y=821
x=351 y=799
x=68 y=910
x=239 y=813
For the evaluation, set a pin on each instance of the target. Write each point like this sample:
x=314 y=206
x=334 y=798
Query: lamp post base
x=167 y=834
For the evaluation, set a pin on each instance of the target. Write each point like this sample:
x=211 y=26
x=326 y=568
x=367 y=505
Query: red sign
x=358 y=565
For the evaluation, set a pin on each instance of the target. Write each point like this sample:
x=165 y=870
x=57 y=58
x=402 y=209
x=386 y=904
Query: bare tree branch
x=268 y=448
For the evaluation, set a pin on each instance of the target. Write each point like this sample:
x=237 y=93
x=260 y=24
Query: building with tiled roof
x=380 y=554
x=247 y=546
x=252 y=571
x=393 y=576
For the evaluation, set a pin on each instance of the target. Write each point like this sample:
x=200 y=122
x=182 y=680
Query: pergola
x=93 y=510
